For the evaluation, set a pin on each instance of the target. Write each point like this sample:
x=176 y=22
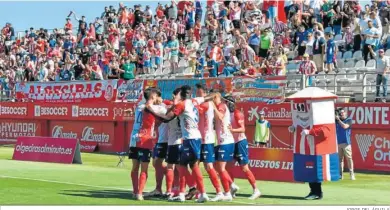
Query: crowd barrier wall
x=109 y=126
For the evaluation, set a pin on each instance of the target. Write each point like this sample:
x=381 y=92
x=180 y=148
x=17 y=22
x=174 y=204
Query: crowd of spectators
x=228 y=38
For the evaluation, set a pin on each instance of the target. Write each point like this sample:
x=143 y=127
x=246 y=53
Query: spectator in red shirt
x=308 y=68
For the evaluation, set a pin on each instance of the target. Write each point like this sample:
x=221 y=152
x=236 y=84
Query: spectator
x=318 y=51
x=262 y=132
x=343 y=130
x=200 y=63
x=173 y=49
x=370 y=36
x=192 y=48
x=382 y=70
x=331 y=51
x=211 y=66
x=265 y=44
x=232 y=65
x=308 y=68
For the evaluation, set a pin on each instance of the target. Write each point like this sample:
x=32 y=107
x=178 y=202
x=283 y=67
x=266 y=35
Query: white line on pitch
x=87 y=185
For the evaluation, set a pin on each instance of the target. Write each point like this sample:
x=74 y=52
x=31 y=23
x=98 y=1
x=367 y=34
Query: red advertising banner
x=67 y=92
x=43 y=149
x=13 y=110
x=101 y=133
x=370 y=149
x=368 y=115
x=10 y=130
x=64 y=111
x=88 y=146
x=269 y=164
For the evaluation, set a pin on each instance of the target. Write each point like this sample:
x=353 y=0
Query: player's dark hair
x=230 y=102
x=158 y=91
x=147 y=93
x=185 y=92
x=202 y=87
x=176 y=91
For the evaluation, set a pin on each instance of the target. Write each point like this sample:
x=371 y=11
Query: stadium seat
x=330 y=76
x=347 y=55
x=321 y=84
x=352 y=75
x=371 y=78
x=348 y=66
x=358 y=55
x=183 y=63
x=341 y=76
x=387 y=53
x=166 y=64
x=340 y=63
x=338 y=37
x=371 y=65
x=339 y=55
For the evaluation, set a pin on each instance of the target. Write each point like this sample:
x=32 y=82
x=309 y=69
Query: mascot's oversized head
x=312 y=106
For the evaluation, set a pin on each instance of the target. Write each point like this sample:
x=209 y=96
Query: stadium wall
x=108 y=126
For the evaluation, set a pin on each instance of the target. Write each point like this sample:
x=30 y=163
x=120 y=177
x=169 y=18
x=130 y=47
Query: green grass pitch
x=99 y=182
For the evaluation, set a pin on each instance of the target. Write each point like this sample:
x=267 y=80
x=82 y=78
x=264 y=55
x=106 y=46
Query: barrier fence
x=106 y=125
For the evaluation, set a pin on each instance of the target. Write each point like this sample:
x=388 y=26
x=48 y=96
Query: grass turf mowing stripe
x=93 y=186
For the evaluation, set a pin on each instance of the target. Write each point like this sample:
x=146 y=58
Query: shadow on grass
x=283 y=197
x=120 y=194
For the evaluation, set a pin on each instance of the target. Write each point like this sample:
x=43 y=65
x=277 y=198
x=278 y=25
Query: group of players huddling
x=186 y=137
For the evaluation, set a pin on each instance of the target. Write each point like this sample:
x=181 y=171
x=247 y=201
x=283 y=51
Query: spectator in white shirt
x=370 y=36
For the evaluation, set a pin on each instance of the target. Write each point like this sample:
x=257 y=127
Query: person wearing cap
x=308 y=68
x=382 y=70
x=262 y=131
x=318 y=51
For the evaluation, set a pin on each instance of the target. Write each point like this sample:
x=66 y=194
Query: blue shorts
x=329 y=59
x=241 y=152
x=173 y=154
x=140 y=154
x=160 y=150
x=190 y=151
x=208 y=153
x=157 y=60
x=225 y=152
x=147 y=64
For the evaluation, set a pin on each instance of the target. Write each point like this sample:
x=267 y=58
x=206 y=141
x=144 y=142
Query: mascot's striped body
x=315 y=144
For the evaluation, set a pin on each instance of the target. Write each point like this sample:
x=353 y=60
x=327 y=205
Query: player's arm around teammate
x=142 y=143
x=225 y=148
x=241 y=154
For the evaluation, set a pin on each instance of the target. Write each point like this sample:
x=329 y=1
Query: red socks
x=197 y=175
x=225 y=178
x=160 y=172
x=189 y=178
x=134 y=180
x=169 y=180
x=214 y=179
x=182 y=178
x=176 y=179
x=251 y=178
x=142 y=181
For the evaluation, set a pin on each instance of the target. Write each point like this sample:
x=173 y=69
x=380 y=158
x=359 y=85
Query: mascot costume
x=314 y=133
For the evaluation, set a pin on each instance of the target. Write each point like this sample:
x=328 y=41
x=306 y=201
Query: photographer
x=343 y=131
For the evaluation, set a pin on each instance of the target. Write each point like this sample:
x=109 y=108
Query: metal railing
x=360 y=87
